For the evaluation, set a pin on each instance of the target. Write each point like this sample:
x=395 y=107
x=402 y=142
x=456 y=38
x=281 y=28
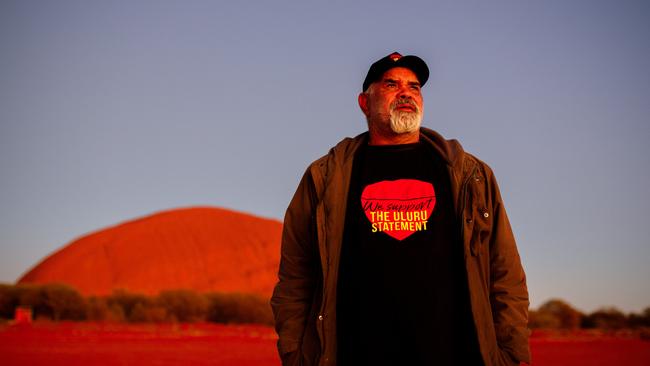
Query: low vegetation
x=62 y=302
x=558 y=314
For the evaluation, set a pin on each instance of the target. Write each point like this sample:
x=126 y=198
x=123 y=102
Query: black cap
x=413 y=63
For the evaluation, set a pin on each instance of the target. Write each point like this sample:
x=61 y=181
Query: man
x=396 y=248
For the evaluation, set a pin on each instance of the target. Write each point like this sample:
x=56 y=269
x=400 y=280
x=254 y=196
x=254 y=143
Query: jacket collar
x=450 y=151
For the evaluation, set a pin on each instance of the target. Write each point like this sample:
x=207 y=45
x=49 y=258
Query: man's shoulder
x=461 y=162
x=342 y=151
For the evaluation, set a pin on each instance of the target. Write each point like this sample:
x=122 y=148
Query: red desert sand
x=69 y=344
x=55 y=344
x=202 y=249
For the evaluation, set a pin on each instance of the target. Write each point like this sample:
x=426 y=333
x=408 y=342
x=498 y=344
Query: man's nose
x=405 y=92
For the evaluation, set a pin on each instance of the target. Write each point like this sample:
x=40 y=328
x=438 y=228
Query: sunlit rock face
x=203 y=249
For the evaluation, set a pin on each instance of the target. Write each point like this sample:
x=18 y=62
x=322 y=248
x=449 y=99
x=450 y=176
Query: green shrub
x=558 y=314
x=129 y=305
x=8 y=301
x=98 y=309
x=62 y=302
x=52 y=301
x=639 y=320
x=183 y=305
x=150 y=313
x=239 y=308
x=606 y=318
x=543 y=320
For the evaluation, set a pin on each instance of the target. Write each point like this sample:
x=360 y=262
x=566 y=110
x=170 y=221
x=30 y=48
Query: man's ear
x=363 y=103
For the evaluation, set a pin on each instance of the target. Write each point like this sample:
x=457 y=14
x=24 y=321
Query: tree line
x=62 y=302
x=558 y=314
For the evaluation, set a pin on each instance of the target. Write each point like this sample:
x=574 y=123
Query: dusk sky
x=112 y=110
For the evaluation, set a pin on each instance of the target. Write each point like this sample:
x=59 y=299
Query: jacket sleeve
x=508 y=291
x=298 y=272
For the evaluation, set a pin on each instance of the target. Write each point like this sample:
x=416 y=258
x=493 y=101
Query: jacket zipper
x=321 y=238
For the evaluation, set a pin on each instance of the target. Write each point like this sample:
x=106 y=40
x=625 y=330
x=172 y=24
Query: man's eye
x=391 y=85
x=415 y=87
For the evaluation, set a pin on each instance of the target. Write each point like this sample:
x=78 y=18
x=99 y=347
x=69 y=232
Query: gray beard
x=404 y=121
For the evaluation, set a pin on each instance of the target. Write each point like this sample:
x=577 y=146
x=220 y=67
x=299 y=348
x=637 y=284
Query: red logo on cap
x=395 y=56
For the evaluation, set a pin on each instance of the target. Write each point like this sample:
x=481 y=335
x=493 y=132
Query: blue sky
x=114 y=110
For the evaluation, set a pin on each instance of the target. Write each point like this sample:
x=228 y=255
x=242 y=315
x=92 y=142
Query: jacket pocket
x=292 y=358
x=481 y=230
x=480 y=216
x=505 y=359
x=286 y=346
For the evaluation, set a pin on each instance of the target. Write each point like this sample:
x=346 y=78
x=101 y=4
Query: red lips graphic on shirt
x=398 y=208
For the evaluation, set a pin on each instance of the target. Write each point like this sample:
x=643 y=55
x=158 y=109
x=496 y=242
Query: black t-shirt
x=402 y=288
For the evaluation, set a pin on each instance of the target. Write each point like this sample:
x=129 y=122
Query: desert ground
x=69 y=343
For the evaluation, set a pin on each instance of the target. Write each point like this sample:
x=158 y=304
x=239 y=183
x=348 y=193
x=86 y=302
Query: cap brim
x=413 y=63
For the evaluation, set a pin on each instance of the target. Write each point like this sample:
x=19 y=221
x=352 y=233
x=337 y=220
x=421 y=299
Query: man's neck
x=394 y=139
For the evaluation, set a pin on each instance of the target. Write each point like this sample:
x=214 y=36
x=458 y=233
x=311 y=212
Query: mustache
x=404 y=101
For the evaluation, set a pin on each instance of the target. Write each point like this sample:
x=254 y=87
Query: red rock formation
x=203 y=249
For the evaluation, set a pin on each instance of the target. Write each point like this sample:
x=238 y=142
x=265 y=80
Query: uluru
x=205 y=249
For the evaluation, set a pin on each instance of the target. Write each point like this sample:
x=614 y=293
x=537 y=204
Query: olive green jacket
x=304 y=299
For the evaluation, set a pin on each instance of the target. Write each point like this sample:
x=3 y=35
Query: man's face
x=394 y=102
